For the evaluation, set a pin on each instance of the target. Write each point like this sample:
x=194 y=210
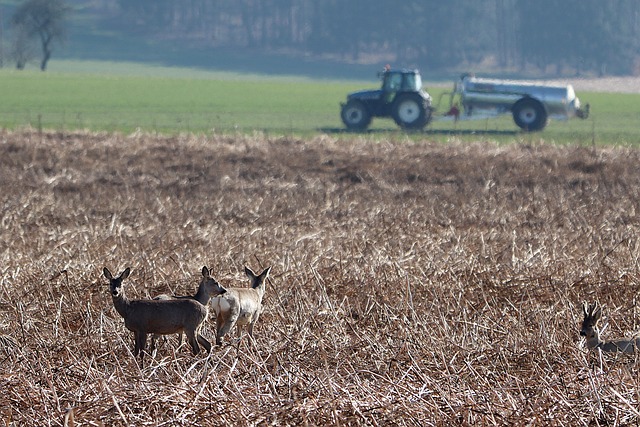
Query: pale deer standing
x=592 y=314
x=161 y=317
x=240 y=306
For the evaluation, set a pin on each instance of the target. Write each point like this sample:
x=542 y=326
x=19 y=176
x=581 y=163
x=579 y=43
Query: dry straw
x=413 y=283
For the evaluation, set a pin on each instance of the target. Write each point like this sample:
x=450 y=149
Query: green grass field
x=127 y=97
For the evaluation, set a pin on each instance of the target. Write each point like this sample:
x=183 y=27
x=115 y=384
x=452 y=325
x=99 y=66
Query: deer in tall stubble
x=592 y=315
x=240 y=306
x=162 y=317
x=207 y=289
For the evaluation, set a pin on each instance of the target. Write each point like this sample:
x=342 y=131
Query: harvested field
x=413 y=283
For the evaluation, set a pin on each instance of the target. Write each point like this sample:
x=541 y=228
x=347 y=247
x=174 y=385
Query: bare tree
x=22 y=50
x=44 y=20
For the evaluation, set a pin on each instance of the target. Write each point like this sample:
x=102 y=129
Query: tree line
x=553 y=36
x=542 y=36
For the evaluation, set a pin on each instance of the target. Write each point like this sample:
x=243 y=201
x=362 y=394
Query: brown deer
x=161 y=317
x=207 y=289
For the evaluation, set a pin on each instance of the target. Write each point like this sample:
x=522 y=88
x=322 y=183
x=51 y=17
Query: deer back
x=165 y=316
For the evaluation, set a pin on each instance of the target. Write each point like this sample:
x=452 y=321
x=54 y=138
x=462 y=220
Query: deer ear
x=205 y=272
x=597 y=313
x=265 y=273
x=249 y=272
x=585 y=309
x=125 y=273
x=107 y=273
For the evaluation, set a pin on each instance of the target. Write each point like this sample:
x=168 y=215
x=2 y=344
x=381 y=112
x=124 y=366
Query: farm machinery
x=402 y=97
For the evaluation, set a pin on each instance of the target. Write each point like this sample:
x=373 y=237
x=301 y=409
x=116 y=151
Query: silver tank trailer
x=531 y=103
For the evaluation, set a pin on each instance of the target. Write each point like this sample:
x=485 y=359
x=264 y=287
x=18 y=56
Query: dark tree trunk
x=45 y=59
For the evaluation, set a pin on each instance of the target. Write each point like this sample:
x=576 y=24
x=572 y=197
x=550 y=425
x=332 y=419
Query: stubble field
x=413 y=283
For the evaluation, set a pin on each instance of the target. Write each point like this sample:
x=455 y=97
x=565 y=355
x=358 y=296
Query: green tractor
x=401 y=97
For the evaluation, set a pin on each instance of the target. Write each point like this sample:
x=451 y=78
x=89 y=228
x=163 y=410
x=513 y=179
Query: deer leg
x=138 y=346
x=179 y=339
x=205 y=343
x=154 y=340
x=141 y=340
x=219 y=325
x=191 y=337
x=253 y=322
x=226 y=327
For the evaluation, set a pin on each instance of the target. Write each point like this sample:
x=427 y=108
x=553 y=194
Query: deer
x=240 y=306
x=207 y=289
x=163 y=317
x=592 y=314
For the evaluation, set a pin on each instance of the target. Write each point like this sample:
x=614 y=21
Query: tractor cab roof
x=387 y=70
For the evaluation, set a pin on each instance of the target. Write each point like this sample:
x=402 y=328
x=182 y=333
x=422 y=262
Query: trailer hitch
x=583 y=113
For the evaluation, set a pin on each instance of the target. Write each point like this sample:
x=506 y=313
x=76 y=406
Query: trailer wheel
x=529 y=114
x=411 y=111
x=355 y=115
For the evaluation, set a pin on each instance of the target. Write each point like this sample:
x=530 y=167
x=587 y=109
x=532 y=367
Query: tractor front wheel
x=355 y=115
x=410 y=111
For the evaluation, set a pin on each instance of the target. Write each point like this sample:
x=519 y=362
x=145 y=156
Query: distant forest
x=573 y=37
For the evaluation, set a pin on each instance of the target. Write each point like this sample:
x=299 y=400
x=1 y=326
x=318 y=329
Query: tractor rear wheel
x=529 y=114
x=411 y=111
x=355 y=115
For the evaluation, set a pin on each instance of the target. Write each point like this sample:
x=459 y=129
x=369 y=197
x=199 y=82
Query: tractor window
x=393 y=82
x=412 y=82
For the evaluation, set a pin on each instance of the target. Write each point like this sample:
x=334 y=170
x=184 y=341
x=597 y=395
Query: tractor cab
x=394 y=81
